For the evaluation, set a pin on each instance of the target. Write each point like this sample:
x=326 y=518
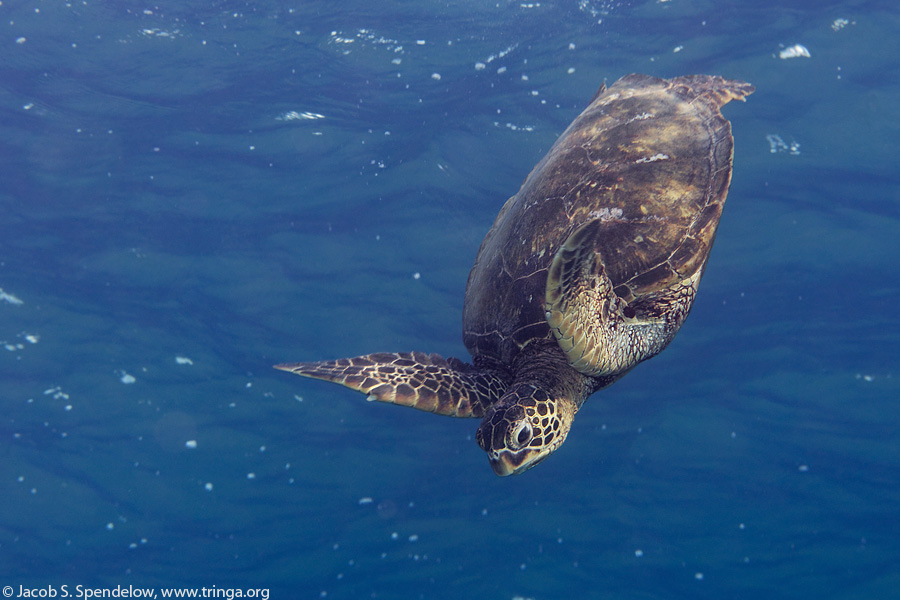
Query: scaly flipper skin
x=427 y=382
x=600 y=332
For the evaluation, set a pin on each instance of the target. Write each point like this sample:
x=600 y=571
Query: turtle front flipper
x=424 y=381
x=602 y=332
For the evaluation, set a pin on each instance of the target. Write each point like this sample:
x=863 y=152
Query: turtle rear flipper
x=600 y=332
x=427 y=382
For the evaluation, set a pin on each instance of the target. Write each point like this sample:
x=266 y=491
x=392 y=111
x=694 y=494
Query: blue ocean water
x=192 y=192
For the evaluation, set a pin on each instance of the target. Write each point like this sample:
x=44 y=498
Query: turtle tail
x=427 y=382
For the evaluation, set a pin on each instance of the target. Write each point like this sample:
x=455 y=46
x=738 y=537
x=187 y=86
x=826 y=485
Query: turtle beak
x=515 y=463
x=502 y=467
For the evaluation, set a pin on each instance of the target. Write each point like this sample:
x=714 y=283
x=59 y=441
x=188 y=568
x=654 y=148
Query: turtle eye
x=521 y=435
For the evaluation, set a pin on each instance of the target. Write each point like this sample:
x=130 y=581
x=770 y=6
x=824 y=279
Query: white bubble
x=794 y=51
x=10 y=298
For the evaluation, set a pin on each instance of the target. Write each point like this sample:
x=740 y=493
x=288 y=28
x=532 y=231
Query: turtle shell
x=651 y=160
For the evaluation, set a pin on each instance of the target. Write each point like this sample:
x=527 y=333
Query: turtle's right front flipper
x=425 y=381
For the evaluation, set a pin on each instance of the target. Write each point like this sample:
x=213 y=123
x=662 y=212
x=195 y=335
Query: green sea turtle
x=588 y=270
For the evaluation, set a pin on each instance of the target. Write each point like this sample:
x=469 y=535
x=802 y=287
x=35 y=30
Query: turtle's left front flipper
x=428 y=382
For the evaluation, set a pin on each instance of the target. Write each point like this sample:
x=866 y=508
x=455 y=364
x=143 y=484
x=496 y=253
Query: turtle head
x=523 y=428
